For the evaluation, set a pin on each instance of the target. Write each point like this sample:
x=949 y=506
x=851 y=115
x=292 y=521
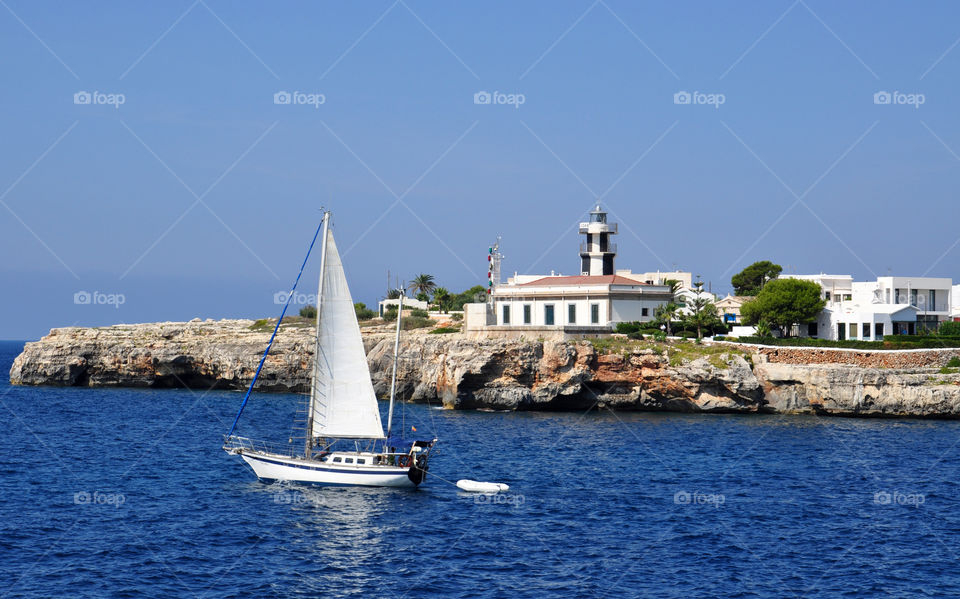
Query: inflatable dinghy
x=475 y=486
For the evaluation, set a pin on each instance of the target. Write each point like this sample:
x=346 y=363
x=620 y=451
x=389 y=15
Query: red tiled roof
x=582 y=280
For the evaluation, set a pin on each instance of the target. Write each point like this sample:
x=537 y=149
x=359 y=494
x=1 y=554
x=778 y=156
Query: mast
x=396 y=353
x=308 y=442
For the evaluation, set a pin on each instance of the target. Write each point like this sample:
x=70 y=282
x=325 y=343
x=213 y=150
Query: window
x=853 y=330
x=348 y=460
x=361 y=461
x=826 y=295
x=572 y=314
x=338 y=460
x=878 y=331
x=866 y=330
x=812 y=329
x=847 y=297
x=594 y=313
x=526 y=314
x=506 y=315
x=548 y=314
x=645 y=311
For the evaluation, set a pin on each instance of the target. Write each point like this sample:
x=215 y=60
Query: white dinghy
x=475 y=486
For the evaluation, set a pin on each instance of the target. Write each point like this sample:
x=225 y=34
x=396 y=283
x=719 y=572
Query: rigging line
x=275 y=329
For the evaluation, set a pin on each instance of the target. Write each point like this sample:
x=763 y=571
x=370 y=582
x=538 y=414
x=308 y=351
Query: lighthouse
x=597 y=253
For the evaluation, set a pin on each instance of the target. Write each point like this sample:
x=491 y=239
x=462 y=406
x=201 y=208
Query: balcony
x=588 y=248
x=607 y=227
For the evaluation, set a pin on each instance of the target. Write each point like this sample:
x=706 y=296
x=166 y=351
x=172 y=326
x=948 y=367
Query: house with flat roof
x=564 y=306
x=871 y=309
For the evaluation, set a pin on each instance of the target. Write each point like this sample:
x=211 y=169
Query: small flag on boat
x=413 y=428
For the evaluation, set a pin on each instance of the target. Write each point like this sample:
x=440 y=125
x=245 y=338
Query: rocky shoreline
x=460 y=373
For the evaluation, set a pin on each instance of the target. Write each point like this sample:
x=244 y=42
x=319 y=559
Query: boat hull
x=269 y=467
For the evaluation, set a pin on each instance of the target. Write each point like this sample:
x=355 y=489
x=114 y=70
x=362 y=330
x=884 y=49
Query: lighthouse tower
x=597 y=253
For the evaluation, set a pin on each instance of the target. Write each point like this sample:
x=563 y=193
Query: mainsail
x=342 y=402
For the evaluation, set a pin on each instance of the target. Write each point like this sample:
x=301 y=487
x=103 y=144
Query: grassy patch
x=262 y=324
x=442 y=330
x=414 y=322
x=716 y=355
x=678 y=353
x=948 y=370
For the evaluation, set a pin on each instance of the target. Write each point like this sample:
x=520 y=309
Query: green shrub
x=627 y=327
x=660 y=336
x=635 y=335
x=309 y=311
x=361 y=309
x=390 y=313
x=456 y=317
x=954 y=362
x=949 y=328
x=418 y=313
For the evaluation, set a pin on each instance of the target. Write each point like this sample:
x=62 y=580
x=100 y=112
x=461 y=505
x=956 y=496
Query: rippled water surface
x=126 y=493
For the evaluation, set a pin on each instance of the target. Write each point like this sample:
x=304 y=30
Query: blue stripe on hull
x=324 y=468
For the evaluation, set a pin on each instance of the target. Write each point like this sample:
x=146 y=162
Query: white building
x=955 y=303
x=409 y=303
x=558 y=306
x=869 y=310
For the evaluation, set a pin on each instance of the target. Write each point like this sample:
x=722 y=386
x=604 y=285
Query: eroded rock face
x=467 y=374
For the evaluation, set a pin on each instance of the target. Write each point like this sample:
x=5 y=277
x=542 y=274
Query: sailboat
x=343 y=442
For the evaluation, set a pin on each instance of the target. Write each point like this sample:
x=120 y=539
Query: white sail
x=343 y=404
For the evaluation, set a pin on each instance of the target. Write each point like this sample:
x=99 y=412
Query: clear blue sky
x=798 y=165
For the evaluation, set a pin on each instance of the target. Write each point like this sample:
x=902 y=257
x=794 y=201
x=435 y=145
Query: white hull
x=276 y=467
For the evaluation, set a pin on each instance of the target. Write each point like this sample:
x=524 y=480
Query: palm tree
x=441 y=298
x=666 y=312
x=422 y=283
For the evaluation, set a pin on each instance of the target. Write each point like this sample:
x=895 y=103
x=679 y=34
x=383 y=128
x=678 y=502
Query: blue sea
x=126 y=493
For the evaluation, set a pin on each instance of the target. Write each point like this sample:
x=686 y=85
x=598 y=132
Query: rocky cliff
x=493 y=374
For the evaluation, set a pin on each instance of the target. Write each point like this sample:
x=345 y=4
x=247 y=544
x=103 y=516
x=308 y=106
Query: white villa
x=955 y=303
x=588 y=304
x=409 y=303
x=869 y=310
